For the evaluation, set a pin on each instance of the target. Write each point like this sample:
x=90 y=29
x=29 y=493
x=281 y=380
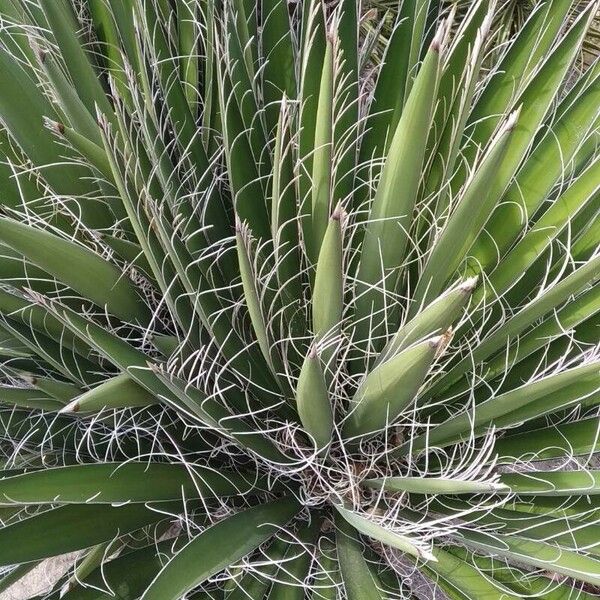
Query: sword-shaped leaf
x=218 y=547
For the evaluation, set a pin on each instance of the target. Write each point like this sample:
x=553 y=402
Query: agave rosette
x=279 y=323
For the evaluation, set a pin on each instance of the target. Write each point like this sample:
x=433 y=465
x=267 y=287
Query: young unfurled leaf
x=391 y=387
x=386 y=234
x=328 y=292
x=312 y=399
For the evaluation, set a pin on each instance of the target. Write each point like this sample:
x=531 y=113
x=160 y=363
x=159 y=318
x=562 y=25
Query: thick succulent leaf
x=520 y=581
x=356 y=577
x=578 y=438
x=328 y=292
x=384 y=535
x=540 y=172
x=326 y=581
x=63 y=26
x=435 y=485
x=580 y=279
x=278 y=54
x=553 y=483
x=128 y=575
x=255 y=585
x=312 y=399
x=224 y=369
x=395 y=78
x=322 y=157
x=23 y=107
x=567 y=532
x=391 y=387
x=75 y=527
x=28 y=398
x=284 y=210
x=473 y=208
x=435 y=318
x=118 y=392
x=464 y=578
x=290 y=580
x=538 y=554
x=109 y=483
x=583 y=191
x=513 y=72
x=78 y=267
x=386 y=234
x=219 y=546
x=529 y=401
x=313 y=53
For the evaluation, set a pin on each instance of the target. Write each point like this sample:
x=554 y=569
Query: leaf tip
x=72 y=407
x=468 y=285
x=54 y=126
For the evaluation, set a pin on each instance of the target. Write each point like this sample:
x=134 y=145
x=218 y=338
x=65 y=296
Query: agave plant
x=280 y=324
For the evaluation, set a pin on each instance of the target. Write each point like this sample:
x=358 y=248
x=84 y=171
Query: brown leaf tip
x=513 y=119
x=438 y=39
x=440 y=342
x=54 y=126
x=338 y=214
x=468 y=285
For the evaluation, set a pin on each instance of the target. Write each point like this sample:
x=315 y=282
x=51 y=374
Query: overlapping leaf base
x=288 y=311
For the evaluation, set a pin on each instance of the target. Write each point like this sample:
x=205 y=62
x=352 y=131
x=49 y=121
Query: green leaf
x=109 y=483
x=278 y=55
x=251 y=293
x=464 y=578
x=391 y=387
x=434 y=485
x=255 y=584
x=531 y=400
x=515 y=69
x=28 y=398
x=118 y=392
x=386 y=233
x=284 y=212
x=553 y=483
x=399 y=62
x=322 y=157
x=326 y=581
x=64 y=30
x=328 y=292
x=78 y=267
x=471 y=212
x=346 y=99
x=188 y=35
x=75 y=527
x=583 y=191
x=356 y=577
x=384 y=535
x=537 y=554
x=567 y=532
x=218 y=547
x=578 y=438
x=290 y=580
x=577 y=311
x=312 y=59
x=128 y=575
x=435 y=318
x=543 y=168
x=312 y=399
x=583 y=277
